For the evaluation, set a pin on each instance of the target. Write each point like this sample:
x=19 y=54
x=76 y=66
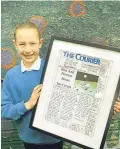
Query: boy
x=21 y=88
x=21 y=91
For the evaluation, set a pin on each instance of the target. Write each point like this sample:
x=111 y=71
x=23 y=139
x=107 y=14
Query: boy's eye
x=22 y=44
x=33 y=43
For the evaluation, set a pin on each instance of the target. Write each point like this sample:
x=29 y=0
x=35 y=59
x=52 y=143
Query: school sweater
x=17 y=89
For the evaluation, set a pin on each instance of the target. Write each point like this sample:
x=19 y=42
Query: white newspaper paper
x=77 y=94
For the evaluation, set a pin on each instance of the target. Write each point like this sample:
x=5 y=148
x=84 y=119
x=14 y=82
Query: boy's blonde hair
x=26 y=25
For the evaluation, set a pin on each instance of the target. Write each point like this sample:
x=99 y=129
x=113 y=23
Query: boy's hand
x=34 y=97
x=117 y=106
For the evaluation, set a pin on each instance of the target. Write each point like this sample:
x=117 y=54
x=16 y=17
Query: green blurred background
x=90 y=21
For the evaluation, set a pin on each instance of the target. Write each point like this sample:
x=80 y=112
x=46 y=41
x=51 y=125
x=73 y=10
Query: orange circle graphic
x=40 y=22
x=13 y=60
x=79 y=7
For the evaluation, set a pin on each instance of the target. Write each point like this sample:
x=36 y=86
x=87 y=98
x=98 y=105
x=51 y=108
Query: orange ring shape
x=81 y=2
x=13 y=62
x=81 y=13
x=43 y=21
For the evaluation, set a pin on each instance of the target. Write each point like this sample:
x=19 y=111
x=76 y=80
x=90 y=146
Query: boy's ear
x=14 y=43
x=41 y=42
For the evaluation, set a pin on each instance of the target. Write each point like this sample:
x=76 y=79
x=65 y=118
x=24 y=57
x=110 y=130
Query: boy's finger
x=37 y=86
x=117 y=102
x=118 y=99
x=117 y=107
x=117 y=110
x=38 y=89
x=38 y=94
x=114 y=113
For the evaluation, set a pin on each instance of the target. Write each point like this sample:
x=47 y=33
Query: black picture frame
x=116 y=93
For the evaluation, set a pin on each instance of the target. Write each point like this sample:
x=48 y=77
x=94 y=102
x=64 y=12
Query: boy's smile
x=28 y=43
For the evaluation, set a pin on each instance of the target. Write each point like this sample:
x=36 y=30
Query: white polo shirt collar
x=35 y=66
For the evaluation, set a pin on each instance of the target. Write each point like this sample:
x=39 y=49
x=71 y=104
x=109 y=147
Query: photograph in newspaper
x=73 y=104
x=86 y=83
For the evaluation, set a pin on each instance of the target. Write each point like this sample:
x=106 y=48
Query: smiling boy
x=21 y=88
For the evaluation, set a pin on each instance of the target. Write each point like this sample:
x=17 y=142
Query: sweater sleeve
x=10 y=110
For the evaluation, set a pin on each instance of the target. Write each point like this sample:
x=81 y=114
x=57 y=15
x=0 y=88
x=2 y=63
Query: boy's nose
x=28 y=49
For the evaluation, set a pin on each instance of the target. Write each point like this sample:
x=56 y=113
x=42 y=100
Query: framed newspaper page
x=80 y=86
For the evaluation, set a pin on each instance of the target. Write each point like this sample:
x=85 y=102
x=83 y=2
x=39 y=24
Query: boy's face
x=28 y=43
